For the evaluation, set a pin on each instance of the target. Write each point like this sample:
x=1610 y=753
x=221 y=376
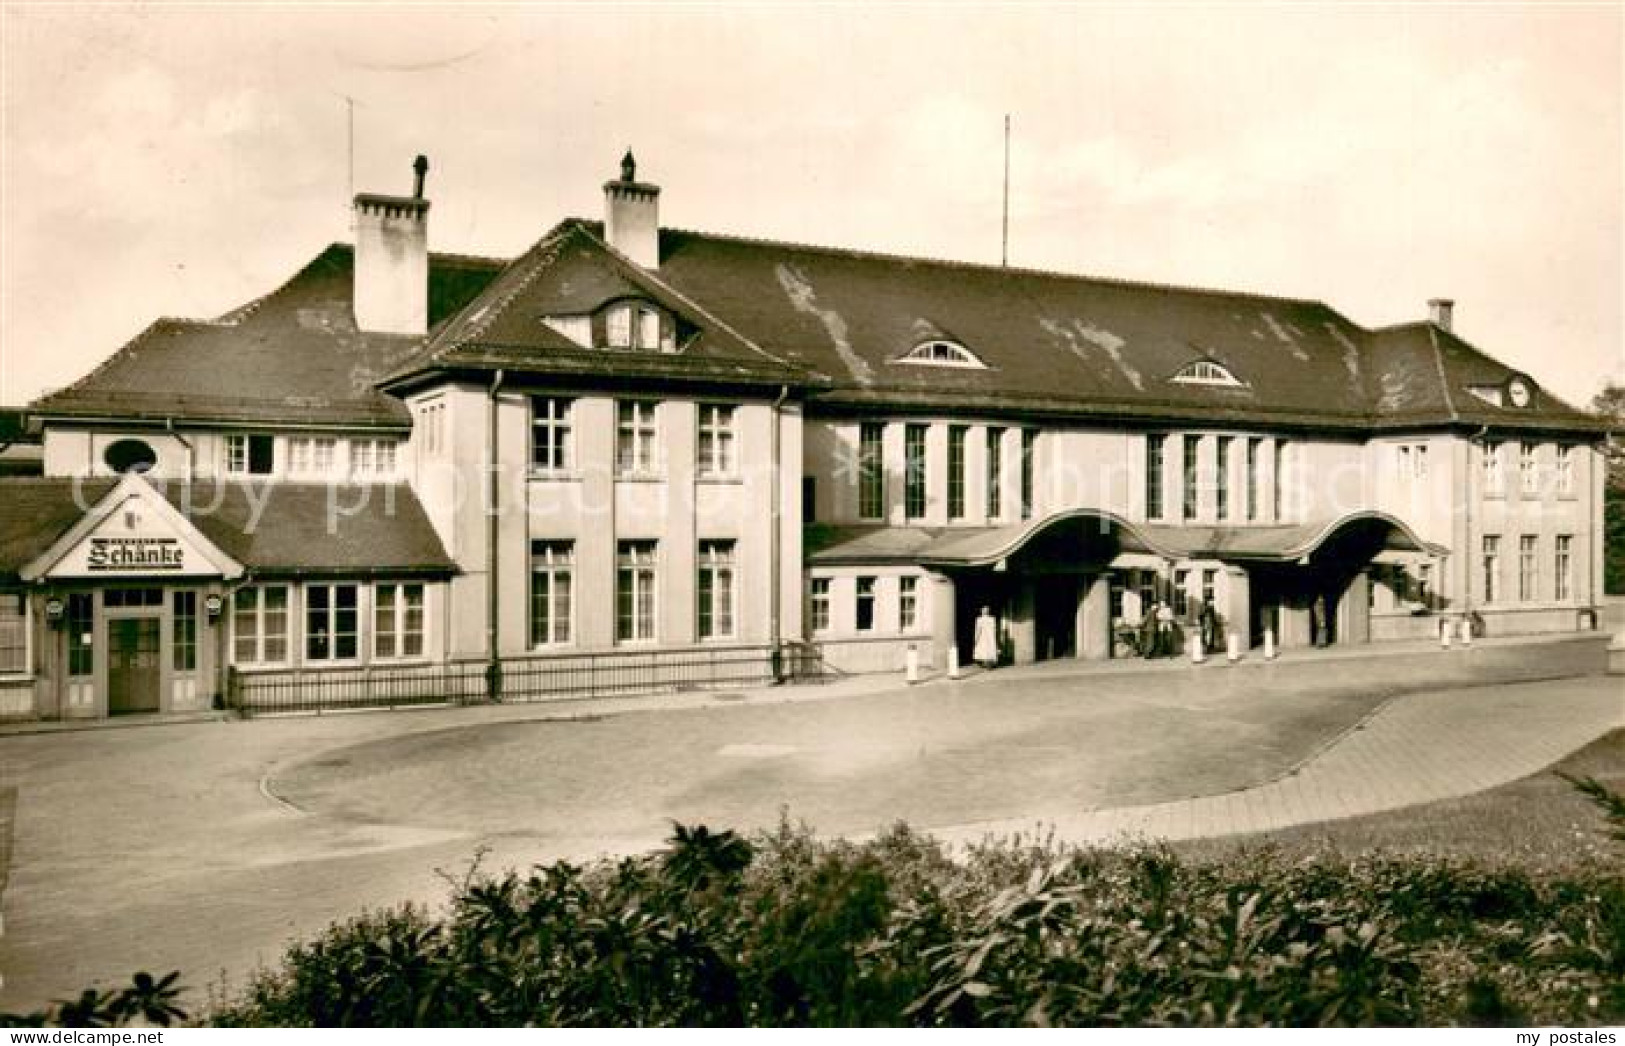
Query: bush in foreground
x=783 y=929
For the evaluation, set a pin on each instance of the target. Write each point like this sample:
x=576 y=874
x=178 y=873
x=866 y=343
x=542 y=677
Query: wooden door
x=133 y=665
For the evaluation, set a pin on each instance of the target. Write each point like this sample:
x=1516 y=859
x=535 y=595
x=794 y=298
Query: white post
x=1269 y=644
x=913 y=663
x=1444 y=634
x=1232 y=647
x=953 y=661
x=1198 y=655
x=1466 y=631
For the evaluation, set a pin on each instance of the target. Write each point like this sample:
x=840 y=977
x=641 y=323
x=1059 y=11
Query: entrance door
x=132 y=665
x=1056 y=599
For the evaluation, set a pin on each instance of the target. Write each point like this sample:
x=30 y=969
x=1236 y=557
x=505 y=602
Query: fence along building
x=639 y=445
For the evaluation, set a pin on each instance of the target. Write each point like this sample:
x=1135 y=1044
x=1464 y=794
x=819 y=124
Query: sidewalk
x=1414 y=750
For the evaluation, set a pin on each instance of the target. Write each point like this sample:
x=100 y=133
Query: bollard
x=1232 y=647
x=953 y=661
x=913 y=663
x=1444 y=635
x=1198 y=655
x=1269 y=644
x=1466 y=631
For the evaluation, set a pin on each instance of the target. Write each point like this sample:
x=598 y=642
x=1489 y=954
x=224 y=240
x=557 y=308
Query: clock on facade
x=1518 y=392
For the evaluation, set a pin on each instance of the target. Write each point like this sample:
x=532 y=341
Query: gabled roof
x=273 y=529
x=291 y=357
x=571 y=271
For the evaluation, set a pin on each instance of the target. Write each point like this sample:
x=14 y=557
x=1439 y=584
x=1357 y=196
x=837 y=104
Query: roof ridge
x=641 y=273
x=986 y=267
x=108 y=361
x=474 y=328
x=1444 y=377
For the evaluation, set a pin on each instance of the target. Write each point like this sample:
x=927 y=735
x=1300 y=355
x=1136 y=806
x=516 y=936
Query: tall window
x=550 y=432
x=1528 y=469
x=716 y=589
x=1029 y=442
x=397 y=620
x=1192 y=445
x=635 y=436
x=1155 y=447
x=1527 y=550
x=371 y=458
x=864 y=618
x=716 y=444
x=1563 y=572
x=259 y=625
x=818 y=600
x=1565 y=470
x=1252 y=477
x=13 y=631
x=1281 y=478
x=1493 y=474
x=1181 y=593
x=1221 y=476
x=81 y=626
x=914 y=471
x=871 y=471
x=995 y=473
x=1210 y=581
x=1491 y=566
x=956 y=471
x=635 y=591
x=250 y=455
x=908 y=602
x=552 y=590
x=332 y=621
x=183 y=644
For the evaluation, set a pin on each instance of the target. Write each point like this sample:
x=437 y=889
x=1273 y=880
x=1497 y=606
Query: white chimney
x=1441 y=311
x=632 y=215
x=392 y=260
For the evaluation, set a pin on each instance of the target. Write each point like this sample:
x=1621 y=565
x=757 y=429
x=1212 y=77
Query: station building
x=636 y=439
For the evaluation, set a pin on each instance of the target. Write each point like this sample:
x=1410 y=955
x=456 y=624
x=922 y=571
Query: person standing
x=985 y=649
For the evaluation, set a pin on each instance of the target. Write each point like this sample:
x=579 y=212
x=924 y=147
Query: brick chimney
x=392 y=260
x=1441 y=312
x=632 y=215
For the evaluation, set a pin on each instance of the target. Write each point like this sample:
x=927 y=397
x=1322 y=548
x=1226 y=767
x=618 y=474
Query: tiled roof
x=293 y=356
x=273 y=529
x=571 y=271
x=1072 y=344
x=832 y=544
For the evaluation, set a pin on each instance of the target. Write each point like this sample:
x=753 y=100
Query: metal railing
x=549 y=677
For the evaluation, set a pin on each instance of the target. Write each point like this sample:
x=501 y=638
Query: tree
x=1609 y=404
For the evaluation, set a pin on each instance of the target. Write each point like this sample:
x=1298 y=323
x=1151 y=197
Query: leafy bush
x=786 y=930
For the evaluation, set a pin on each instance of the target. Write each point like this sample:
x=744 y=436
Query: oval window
x=130 y=455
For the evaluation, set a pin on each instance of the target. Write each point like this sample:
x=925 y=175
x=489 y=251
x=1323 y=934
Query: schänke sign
x=109 y=554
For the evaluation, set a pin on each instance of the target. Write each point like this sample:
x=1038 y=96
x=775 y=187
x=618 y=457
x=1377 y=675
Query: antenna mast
x=1004 y=238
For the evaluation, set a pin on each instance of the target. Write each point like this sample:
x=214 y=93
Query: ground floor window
x=81 y=625
x=183 y=648
x=332 y=622
x=1181 y=600
x=13 y=632
x=865 y=616
x=259 y=625
x=552 y=589
x=397 y=620
x=1563 y=575
x=1491 y=566
x=818 y=597
x=908 y=603
x=716 y=589
x=1527 y=551
x=635 y=591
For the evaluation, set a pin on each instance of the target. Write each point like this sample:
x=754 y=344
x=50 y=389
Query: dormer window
x=1207 y=372
x=942 y=354
x=638 y=326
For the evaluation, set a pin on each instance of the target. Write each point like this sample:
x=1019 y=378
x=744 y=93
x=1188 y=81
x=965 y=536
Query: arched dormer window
x=639 y=326
x=939 y=353
x=1207 y=372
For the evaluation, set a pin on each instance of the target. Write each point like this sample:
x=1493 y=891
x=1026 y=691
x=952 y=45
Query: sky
x=178 y=160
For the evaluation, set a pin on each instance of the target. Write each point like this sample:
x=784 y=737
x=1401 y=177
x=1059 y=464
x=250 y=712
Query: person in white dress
x=985 y=650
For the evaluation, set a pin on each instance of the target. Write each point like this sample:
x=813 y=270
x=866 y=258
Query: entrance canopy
x=964 y=547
